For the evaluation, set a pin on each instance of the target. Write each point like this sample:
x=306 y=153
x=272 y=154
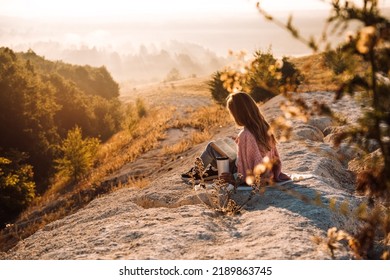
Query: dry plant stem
x=241 y=206
x=220 y=197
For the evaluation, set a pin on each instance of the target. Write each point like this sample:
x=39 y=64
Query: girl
x=254 y=142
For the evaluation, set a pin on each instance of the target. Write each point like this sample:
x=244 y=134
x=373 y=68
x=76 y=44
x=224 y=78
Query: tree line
x=40 y=102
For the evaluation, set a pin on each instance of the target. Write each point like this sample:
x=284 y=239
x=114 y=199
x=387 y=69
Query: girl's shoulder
x=245 y=134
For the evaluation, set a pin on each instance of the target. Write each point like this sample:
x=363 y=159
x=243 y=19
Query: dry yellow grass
x=318 y=77
x=122 y=148
x=185 y=144
x=126 y=146
x=160 y=93
x=204 y=120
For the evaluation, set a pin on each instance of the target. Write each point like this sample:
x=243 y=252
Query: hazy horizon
x=219 y=34
x=203 y=30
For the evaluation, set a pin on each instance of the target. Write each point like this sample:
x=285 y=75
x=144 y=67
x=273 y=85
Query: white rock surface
x=166 y=220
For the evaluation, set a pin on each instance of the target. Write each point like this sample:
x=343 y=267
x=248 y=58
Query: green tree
x=263 y=78
x=107 y=117
x=17 y=188
x=134 y=111
x=42 y=100
x=218 y=92
x=27 y=110
x=78 y=155
x=173 y=75
x=263 y=82
x=90 y=80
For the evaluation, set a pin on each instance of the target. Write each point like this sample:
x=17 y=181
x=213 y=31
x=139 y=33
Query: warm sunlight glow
x=295 y=5
x=113 y=8
x=151 y=9
x=123 y=26
x=305 y=5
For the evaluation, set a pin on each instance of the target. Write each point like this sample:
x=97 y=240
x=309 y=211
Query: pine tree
x=78 y=155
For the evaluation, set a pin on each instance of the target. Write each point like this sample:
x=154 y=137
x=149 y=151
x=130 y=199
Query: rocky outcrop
x=167 y=220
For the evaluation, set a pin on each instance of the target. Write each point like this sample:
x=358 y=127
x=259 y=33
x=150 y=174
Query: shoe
x=191 y=175
x=209 y=174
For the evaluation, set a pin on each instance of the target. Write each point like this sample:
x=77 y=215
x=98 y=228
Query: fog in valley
x=140 y=50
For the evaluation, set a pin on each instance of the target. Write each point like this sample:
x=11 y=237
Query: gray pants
x=209 y=157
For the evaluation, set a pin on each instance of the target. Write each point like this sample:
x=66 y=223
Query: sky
x=153 y=9
x=124 y=25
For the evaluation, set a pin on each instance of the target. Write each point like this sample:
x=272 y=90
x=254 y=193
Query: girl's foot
x=282 y=177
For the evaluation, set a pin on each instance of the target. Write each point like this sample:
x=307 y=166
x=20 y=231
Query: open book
x=226 y=147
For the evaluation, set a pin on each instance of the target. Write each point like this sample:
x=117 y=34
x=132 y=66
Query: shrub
x=141 y=108
x=263 y=78
x=218 y=92
x=336 y=60
x=173 y=75
x=270 y=76
x=134 y=111
x=263 y=82
x=78 y=155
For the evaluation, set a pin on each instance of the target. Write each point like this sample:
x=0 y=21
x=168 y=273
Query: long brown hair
x=246 y=113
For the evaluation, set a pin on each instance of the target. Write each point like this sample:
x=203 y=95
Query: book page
x=226 y=147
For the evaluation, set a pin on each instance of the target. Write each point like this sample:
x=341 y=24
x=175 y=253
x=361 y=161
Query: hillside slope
x=166 y=219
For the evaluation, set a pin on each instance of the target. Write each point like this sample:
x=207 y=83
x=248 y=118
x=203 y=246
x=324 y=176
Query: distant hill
x=148 y=64
x=148 y=51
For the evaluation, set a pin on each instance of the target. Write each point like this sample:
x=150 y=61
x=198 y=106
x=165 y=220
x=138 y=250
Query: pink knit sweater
x=250 y=154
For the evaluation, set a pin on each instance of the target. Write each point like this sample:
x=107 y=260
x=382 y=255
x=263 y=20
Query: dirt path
x=183 y=95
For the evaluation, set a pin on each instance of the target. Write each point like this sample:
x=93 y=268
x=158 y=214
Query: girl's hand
x=227 y=177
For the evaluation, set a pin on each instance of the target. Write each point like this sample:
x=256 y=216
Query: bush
x=270 y=76
x=133 y=113
x=17 y=188
x=141 y=108
x=78 y=155
x=173 y=75
x=336 y=60
x=218 y=92
x=263 y=78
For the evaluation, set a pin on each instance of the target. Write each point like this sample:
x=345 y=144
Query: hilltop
x=135 y=206
x=166 y=219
